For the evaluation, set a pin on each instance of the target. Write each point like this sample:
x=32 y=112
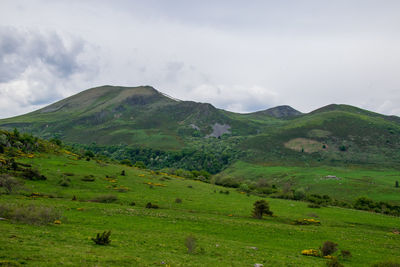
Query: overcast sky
x=238 y=55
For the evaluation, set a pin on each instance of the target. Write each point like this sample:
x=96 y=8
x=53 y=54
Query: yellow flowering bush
x=155 y=184
x=310 y=252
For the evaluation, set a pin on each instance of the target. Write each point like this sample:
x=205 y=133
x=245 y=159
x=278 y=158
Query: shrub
x=244 y=188
x=88 y=178
x=132 y=203
x=105 y=199
x=102 y=238
x=396 y=184
x=151 y=206
x=89 y=154
x=36 y=215
x=123 y=173
x=345 y=254
x=68 y=174
x=261 y=207
x=140 y=165
x=190 y=243
x=178 y=200
x=33 y=175
x=328 y=248
x=299 y=194
x=9 y=183
x=310 y=252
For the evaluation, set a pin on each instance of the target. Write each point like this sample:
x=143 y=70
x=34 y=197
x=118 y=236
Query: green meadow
x=218 y=218
x=350 y=182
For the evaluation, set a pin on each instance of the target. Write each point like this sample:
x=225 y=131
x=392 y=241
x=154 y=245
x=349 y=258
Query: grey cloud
x=238 y=55
x=20 y=50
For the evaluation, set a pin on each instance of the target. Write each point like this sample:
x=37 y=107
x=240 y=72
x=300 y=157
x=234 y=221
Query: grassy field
x=221 y=223
x=352 y=182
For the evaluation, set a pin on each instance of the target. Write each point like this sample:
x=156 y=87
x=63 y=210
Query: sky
x=241 y=56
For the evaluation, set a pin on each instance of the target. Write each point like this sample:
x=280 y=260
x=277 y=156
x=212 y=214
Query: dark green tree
x=396 y=184
x=261 y=207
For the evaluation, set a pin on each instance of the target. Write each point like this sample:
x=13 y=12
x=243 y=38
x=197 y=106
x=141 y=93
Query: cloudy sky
x=238 y=55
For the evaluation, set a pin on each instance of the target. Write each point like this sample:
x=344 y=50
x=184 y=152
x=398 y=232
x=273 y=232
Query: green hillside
x=53 y=211
x=142 y=124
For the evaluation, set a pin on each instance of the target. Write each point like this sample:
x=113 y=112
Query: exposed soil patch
x=305 y=145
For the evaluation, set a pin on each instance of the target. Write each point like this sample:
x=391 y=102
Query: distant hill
x=142 y=117
x=280 y=112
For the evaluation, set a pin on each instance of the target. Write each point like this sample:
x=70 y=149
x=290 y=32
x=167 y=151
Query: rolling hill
x=142 y=117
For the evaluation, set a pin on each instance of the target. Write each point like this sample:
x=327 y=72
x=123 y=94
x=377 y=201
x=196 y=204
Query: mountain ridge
x=144 y=117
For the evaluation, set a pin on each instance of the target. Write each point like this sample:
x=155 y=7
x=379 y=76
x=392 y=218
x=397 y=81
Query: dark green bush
x=88 y=178
x=89 y=154
x=178 y=200
x=140 y=165
x=151 y=206
x=261 y=207
x=345 y=254
x=328 y=248
x=102 y=238
x=32 y=174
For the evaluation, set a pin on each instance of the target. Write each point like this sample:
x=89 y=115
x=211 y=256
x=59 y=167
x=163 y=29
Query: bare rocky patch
x=219 y=130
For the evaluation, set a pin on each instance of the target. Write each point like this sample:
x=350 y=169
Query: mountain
x=111 y=115
x=204 y=136
x=280 y=112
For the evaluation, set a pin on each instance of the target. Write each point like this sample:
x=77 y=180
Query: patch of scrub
x=305 y=145
x=219 y=130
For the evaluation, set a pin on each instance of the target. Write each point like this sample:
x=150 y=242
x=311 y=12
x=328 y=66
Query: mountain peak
x=107 y=95
x=283 y=111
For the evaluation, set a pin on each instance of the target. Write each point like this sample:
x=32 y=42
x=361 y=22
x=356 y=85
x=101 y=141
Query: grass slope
x=221 y=223
x=352 y=181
